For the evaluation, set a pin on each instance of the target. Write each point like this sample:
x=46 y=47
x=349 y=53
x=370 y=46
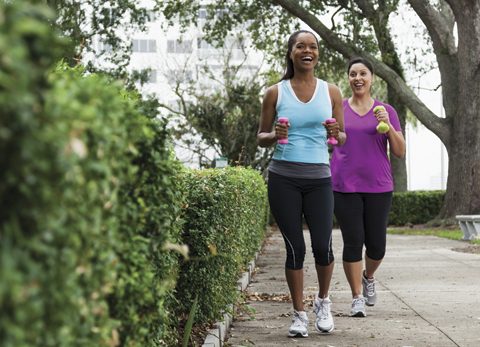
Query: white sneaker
x=369 y=292
x=358 y=306
x=299 y=324
x=321 y=307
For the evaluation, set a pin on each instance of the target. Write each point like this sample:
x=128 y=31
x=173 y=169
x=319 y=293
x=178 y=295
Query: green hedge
x=416 y=207
x=224 y=225
x=86 y=198
x=92 y=206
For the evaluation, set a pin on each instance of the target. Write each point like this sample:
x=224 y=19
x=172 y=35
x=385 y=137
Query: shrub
x=416 y=207
x=86 y=197
x=91 y=204
x=225 y=222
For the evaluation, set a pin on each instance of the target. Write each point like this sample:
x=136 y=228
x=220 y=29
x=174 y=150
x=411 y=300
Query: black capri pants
x=289 y=199
x=363 y=218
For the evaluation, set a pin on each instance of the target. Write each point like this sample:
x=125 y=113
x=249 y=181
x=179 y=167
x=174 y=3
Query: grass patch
x=447 y=234
x=410 y=232
x=450 y=234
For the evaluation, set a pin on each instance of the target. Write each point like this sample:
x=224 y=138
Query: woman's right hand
x=281 y=130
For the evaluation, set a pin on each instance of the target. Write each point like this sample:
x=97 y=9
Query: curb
x=216 y=337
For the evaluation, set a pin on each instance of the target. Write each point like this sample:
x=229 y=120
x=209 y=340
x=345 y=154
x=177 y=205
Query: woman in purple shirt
x=362 y=183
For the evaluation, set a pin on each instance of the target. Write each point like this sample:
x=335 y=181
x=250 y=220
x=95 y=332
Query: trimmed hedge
x=86 y=197
x=93 y=207
x=225 y=223
x=416 y=207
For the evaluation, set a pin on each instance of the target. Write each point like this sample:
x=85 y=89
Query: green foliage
x=224 y=226
x=82 y=21
x=228 y=121
x=446 y=234
x=92 y=206
x=188 y=327
x=86 y=198
x=224 y=120
x=417 y=207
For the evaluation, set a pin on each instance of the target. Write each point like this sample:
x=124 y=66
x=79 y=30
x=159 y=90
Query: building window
x=179 y=46
x=202 y=44
x=234 y=43
x=203 y=12
x=151 y=16
x=152 y=76
x=206 y=50
x=110 y=16
x=103 y=46
x=152 y=46
x=144 y=46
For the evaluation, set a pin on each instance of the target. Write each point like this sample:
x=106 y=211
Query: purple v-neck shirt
x=361 y=165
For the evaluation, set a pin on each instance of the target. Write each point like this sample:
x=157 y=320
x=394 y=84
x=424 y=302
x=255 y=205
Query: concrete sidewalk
x=428 y=295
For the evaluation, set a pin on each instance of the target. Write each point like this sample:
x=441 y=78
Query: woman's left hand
x=333 y=129
x=382 y=116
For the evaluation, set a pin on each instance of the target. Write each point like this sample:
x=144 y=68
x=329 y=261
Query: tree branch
x=170 y=109
x=457 y=5
x=439 y=26
x=368 y=11
x=333 y=16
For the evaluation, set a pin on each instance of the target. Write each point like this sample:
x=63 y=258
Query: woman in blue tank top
x=299 y=182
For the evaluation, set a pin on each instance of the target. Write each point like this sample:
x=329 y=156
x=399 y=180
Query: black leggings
x=363 y=218
x=289 y=198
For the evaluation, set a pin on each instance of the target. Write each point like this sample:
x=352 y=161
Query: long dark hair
x=362 y=61
x=289 y=71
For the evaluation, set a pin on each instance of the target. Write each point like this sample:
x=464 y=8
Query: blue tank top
x=307 y=137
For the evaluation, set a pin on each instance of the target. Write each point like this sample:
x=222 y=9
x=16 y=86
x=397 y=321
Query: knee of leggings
x=295 y=262
x=352 y=254
x=323 y=257
x=375 y=254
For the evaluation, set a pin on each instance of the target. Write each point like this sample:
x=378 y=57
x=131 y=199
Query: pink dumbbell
x=283 y=121
x=332 y=140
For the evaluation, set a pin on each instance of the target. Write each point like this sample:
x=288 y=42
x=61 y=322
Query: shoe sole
x=358 y=314
x=324 y=331
x=298 y=335
x=369 y=304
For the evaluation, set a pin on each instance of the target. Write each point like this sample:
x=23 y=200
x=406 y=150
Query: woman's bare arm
x=266 y=137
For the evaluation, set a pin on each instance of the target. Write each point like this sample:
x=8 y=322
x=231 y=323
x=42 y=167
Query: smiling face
x=304 y=52
x=360 y=78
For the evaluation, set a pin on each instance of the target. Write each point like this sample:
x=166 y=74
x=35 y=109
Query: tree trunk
x=463 y=143
x=463 y=183
x=399 y=166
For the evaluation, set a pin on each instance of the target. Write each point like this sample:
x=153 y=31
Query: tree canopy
x=101 y=31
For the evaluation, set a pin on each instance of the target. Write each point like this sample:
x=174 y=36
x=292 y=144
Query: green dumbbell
x=382 y=127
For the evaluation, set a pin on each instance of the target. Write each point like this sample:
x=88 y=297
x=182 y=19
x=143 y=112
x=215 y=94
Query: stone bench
x=470 y=225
